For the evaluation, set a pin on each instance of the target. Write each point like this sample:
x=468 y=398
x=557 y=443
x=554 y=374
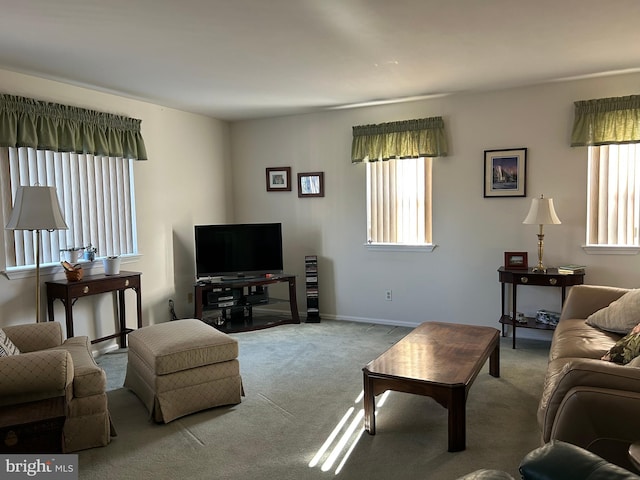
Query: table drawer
x=540 y=280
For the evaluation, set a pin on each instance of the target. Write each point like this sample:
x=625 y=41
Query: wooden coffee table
x=438 y=360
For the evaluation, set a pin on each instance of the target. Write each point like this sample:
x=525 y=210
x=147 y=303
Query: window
x=399 y=202
x=613 y=203
x=96 y=195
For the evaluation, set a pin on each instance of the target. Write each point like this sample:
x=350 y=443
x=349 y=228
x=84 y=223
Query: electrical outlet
x=387 y=295
x=189 y=297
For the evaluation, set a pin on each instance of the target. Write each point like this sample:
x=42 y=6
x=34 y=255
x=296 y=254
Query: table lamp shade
x=36 y=208
x=542 y=212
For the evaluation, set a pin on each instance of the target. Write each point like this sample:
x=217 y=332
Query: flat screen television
x=238 y=250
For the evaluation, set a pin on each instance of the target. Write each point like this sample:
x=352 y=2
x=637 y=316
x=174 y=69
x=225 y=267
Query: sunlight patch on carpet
x=351 y=433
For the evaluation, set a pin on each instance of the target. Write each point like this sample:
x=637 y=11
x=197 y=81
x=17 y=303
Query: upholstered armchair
x=55 y=378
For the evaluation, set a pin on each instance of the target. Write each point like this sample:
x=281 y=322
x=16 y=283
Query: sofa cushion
x=573 y=338
x=625 y=349
x=7 y=348
x=620 y=316
x=634 y=363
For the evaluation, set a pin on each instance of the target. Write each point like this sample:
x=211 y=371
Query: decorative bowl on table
x=73 y=273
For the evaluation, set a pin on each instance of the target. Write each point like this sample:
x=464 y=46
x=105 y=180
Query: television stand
x=228 y=304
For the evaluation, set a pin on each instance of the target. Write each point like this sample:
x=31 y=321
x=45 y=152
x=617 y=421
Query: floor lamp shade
x=36 y=208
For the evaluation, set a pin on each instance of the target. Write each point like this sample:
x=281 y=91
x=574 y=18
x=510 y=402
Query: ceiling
x=239 y=59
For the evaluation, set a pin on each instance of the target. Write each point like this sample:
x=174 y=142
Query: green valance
x=424 y=137
x=25 y=122
x=606 y=121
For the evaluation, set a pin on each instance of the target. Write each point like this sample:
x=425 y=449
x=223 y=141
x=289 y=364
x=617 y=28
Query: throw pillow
x=625 y=349
x=7 y=347
x=620 y=316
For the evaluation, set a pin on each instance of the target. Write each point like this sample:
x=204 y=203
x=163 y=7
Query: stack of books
x=572 y=269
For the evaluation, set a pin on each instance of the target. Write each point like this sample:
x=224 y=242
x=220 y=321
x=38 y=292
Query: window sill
x=611 y=249
x=399 y=247
x=90 y=268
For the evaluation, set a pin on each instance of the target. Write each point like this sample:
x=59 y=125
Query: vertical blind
x=399 y=201
x=96 y=195
x=613 y=202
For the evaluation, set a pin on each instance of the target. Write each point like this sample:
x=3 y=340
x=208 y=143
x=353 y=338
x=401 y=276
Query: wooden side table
x=515 y=277
x=68 y=292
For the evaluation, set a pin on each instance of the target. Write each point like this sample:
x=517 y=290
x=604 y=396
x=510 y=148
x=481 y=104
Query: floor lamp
x=36 y=209
x=541 y=213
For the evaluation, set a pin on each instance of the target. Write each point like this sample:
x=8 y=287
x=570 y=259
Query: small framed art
x=279 y=179
x=311 y=184
x=516 y=260
x=505 y=172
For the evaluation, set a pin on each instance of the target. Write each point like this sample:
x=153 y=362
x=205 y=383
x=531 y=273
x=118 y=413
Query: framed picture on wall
x=279 y=179
x=505 y=172
x=311 y=184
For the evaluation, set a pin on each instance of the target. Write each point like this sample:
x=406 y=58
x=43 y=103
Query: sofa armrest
x=35 y=376
x=583 y=373
x=603 y=421
x=560 y=460
x=583 y=300
x=35 y=336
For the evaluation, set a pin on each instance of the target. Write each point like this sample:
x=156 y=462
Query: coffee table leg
x=457 y=420
x=369 y=405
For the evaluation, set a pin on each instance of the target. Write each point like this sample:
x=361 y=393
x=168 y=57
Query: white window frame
x=408 y=225
x=97 y=198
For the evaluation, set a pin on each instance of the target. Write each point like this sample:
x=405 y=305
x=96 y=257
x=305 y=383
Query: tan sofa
x=587 y=401
x=58 y=377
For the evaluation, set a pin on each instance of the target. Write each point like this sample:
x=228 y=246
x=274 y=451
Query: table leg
x=457 y=420
x=502 y=306
x=293 y=301
x=139 y=305
x=50 y=308
x=122 y=319
x=369 y=405
x=494 y=361
x=68 y=315
x=514 y=314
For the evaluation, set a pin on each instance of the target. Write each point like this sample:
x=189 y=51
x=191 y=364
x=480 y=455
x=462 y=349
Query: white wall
x=185 y=181
x=214 y=180
x=458 y=281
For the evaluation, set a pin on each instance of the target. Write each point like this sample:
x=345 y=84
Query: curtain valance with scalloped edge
x=25 y=122
x=606 y=121
x=423 y=137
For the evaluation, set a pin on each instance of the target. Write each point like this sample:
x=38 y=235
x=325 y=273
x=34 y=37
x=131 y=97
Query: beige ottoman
x=181 y=367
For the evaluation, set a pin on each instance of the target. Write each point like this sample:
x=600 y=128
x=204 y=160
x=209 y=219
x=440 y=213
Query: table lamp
x=36 y=208
x=541 y=213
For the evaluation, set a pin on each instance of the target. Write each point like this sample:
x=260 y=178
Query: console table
x=239 y=295
x=515 y=277
x=68 y=292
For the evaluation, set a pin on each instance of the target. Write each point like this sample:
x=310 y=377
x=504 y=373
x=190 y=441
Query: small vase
x=111 y=265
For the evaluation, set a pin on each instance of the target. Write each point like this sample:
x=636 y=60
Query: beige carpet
x=300 y=382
